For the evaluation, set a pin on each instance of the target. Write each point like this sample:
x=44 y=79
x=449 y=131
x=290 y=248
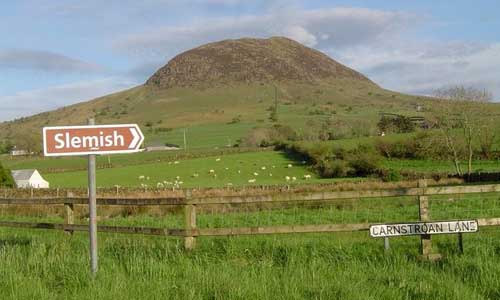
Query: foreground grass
x=50 y=265
x=36 y=264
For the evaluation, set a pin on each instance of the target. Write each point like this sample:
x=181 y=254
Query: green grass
x=161 y=167
x=51 y=265
x=46 y=265
x=208 y=136
x=73 y=163
x=439 y=166
x=275 y=163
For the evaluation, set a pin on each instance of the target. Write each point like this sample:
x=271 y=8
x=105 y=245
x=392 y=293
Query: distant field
x=161 y=167
x=234 y=169
x=58 y=164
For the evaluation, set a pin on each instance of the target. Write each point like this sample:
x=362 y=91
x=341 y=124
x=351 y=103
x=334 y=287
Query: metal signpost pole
x=92 y=211
x=91 y=140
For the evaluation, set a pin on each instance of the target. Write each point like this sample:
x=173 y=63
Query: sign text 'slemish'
x=84 y=140
x=421 y=228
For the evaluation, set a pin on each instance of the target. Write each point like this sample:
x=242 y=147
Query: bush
x=390 y=175
x=235 y=120
x=397 y=124
x=364 y=161
x=422 y=146
x=5 y=177
x=339 y=168
x=265 y=137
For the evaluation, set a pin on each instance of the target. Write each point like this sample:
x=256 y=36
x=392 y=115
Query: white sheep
x=255 y=174
x=211 y=171
x=217 y=159
x=289 y=165
x=176 y=162
x=287 y=178
x=263 y=168
x=226 y=168
x=270 y=174
x=252 y=180
x=294 y=178
x=196 y=175
x=307 y=176
x=147 y=178
x=177 y=177
x=159 y=185
x=239 y=171
x=141 y=177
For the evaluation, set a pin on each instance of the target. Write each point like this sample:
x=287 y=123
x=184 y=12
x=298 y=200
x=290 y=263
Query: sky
x=55 y=53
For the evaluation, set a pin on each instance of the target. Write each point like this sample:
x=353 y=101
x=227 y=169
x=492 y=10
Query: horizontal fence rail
x=279 y=197
x=191 y=205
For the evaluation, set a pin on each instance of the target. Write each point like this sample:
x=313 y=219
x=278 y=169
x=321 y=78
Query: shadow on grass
x=8 y=242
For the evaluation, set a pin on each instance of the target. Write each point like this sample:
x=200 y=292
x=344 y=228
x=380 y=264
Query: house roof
x=22 y=174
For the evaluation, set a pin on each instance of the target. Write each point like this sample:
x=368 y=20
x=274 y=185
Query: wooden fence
x=191 y=204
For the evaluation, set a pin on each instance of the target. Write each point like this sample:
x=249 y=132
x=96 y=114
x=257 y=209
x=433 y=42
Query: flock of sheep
x=177 y=183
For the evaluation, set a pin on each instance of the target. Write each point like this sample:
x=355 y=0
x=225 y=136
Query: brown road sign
x=85 y=140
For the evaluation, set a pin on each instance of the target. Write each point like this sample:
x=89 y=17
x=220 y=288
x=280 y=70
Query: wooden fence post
x=69 y=214
x=190 y=222
x=425 y=239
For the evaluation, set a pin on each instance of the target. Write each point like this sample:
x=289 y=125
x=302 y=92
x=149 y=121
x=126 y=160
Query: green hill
x=219 y=91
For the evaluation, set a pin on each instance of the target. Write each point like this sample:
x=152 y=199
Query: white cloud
x=301 y=35
x=423 y=67
x=339 y=27
x=44 y=61
x=26 y=103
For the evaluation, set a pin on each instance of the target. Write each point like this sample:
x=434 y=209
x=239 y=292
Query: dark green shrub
x=364 y=161
x=339 y=168
x=6 y=179
x=396 y=124
x=390 y=175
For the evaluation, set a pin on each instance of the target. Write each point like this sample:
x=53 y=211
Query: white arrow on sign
x=136 y=140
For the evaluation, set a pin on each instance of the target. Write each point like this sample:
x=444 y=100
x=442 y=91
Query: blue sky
x=55 y=53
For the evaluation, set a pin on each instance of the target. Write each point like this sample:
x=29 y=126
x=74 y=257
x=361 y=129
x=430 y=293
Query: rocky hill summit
x=250 y=60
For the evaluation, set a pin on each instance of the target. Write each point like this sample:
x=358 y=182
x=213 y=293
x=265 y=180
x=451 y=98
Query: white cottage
x=29 y=179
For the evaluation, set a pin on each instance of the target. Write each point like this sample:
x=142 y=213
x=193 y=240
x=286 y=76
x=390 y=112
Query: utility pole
x=185 y=140
x=276 y=100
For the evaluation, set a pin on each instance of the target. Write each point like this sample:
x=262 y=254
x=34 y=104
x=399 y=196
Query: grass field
x=74 y=163
x=236 y=170
x=52 y=265
x=229 y=170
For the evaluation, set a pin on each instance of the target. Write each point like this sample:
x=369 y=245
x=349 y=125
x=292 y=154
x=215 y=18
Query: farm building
x=16 y=152
x=168 y=147
x=30 y=178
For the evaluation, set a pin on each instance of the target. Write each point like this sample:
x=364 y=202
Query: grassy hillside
x=215 y=116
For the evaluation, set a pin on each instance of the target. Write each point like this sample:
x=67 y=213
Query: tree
x=5 y=177
x=462 y=118
x=463 y=93
x=5 y=146
x=31 y=142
